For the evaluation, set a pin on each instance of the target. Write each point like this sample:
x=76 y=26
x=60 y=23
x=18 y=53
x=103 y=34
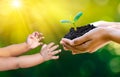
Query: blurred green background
x=18 y=18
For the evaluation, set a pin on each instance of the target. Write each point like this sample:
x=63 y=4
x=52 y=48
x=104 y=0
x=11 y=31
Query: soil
x=79 y=31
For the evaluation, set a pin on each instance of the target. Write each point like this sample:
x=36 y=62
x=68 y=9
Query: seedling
x=75 y=19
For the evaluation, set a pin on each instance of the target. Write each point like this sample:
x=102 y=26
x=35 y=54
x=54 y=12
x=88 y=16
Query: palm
x=34 y=39
x=33 y=43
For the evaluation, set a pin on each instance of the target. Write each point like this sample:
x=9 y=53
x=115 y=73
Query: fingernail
x=41 y=43
x=45 y=45
x=52 y=43
x=57 y=45
x=60 y=50
x=43 y=37
x=57 y=57
x=61 y=42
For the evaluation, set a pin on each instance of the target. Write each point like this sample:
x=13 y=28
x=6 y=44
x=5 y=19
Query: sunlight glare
x=16 y=3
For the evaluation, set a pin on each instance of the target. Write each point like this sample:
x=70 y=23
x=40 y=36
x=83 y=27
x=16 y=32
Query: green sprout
x=75 y=19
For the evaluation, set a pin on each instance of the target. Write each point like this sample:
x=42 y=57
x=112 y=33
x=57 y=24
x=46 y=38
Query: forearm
x=30 y=60
x=10 y=63
x=14 y=50
x=112 y=29
x=114 y=34
x=106 y=24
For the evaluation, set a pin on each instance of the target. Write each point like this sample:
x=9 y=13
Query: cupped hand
x=89 y=42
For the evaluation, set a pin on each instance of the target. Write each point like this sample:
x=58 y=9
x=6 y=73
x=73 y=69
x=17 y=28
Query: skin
x=32 y=42
x=10 y=60
x=94 y=39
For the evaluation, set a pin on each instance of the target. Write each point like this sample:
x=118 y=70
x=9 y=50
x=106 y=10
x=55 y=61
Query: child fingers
x=56 y=52
x=36 y=38
x=50 y=45
x=40 y=34
x=41 y=38
x=40 y=43
x=31 y=36
x=53 y=48
x=37 y=34
x=55 y=57
x=44 y=46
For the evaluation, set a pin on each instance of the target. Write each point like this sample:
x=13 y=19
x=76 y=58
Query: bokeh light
x=115 y=65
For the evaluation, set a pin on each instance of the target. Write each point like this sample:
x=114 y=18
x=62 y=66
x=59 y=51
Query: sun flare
x=16 y=3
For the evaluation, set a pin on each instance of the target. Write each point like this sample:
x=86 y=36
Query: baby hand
x=34 y=39
x=49 y=51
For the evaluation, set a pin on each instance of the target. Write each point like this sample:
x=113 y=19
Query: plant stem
x=74 y=26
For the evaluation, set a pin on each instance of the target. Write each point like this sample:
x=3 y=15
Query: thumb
x=44 y=46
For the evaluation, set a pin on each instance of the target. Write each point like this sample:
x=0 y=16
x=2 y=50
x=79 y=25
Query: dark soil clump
x=79 y=31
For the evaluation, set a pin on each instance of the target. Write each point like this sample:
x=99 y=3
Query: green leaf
x=65 y=21
x=77 y=16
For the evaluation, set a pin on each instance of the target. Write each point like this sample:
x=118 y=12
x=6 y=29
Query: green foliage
x=75 y=19
x=77 y=16
x=65 y=21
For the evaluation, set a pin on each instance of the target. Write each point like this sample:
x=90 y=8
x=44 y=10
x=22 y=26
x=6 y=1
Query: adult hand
x=89 y=42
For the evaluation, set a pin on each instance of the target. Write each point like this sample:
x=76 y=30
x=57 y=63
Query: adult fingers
x=78 y=52
x=66 y=41
x=65 y=48
x=97 y=46
x=69 y=47
x=62 y=42
x=81 y=39
x=85 y=46
x=86 y=37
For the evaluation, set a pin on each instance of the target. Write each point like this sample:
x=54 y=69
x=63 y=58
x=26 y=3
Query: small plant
x=75 y=19
x=77 y=31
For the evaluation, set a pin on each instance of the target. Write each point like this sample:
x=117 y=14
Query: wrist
x=27 y=46
x=114 y=34
x=105 y=33
x=111 y=33
x=42 y=57
x=104 y=24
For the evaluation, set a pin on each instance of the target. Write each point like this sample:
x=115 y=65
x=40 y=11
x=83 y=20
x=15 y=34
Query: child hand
x=49 y=51
x=34 y=39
